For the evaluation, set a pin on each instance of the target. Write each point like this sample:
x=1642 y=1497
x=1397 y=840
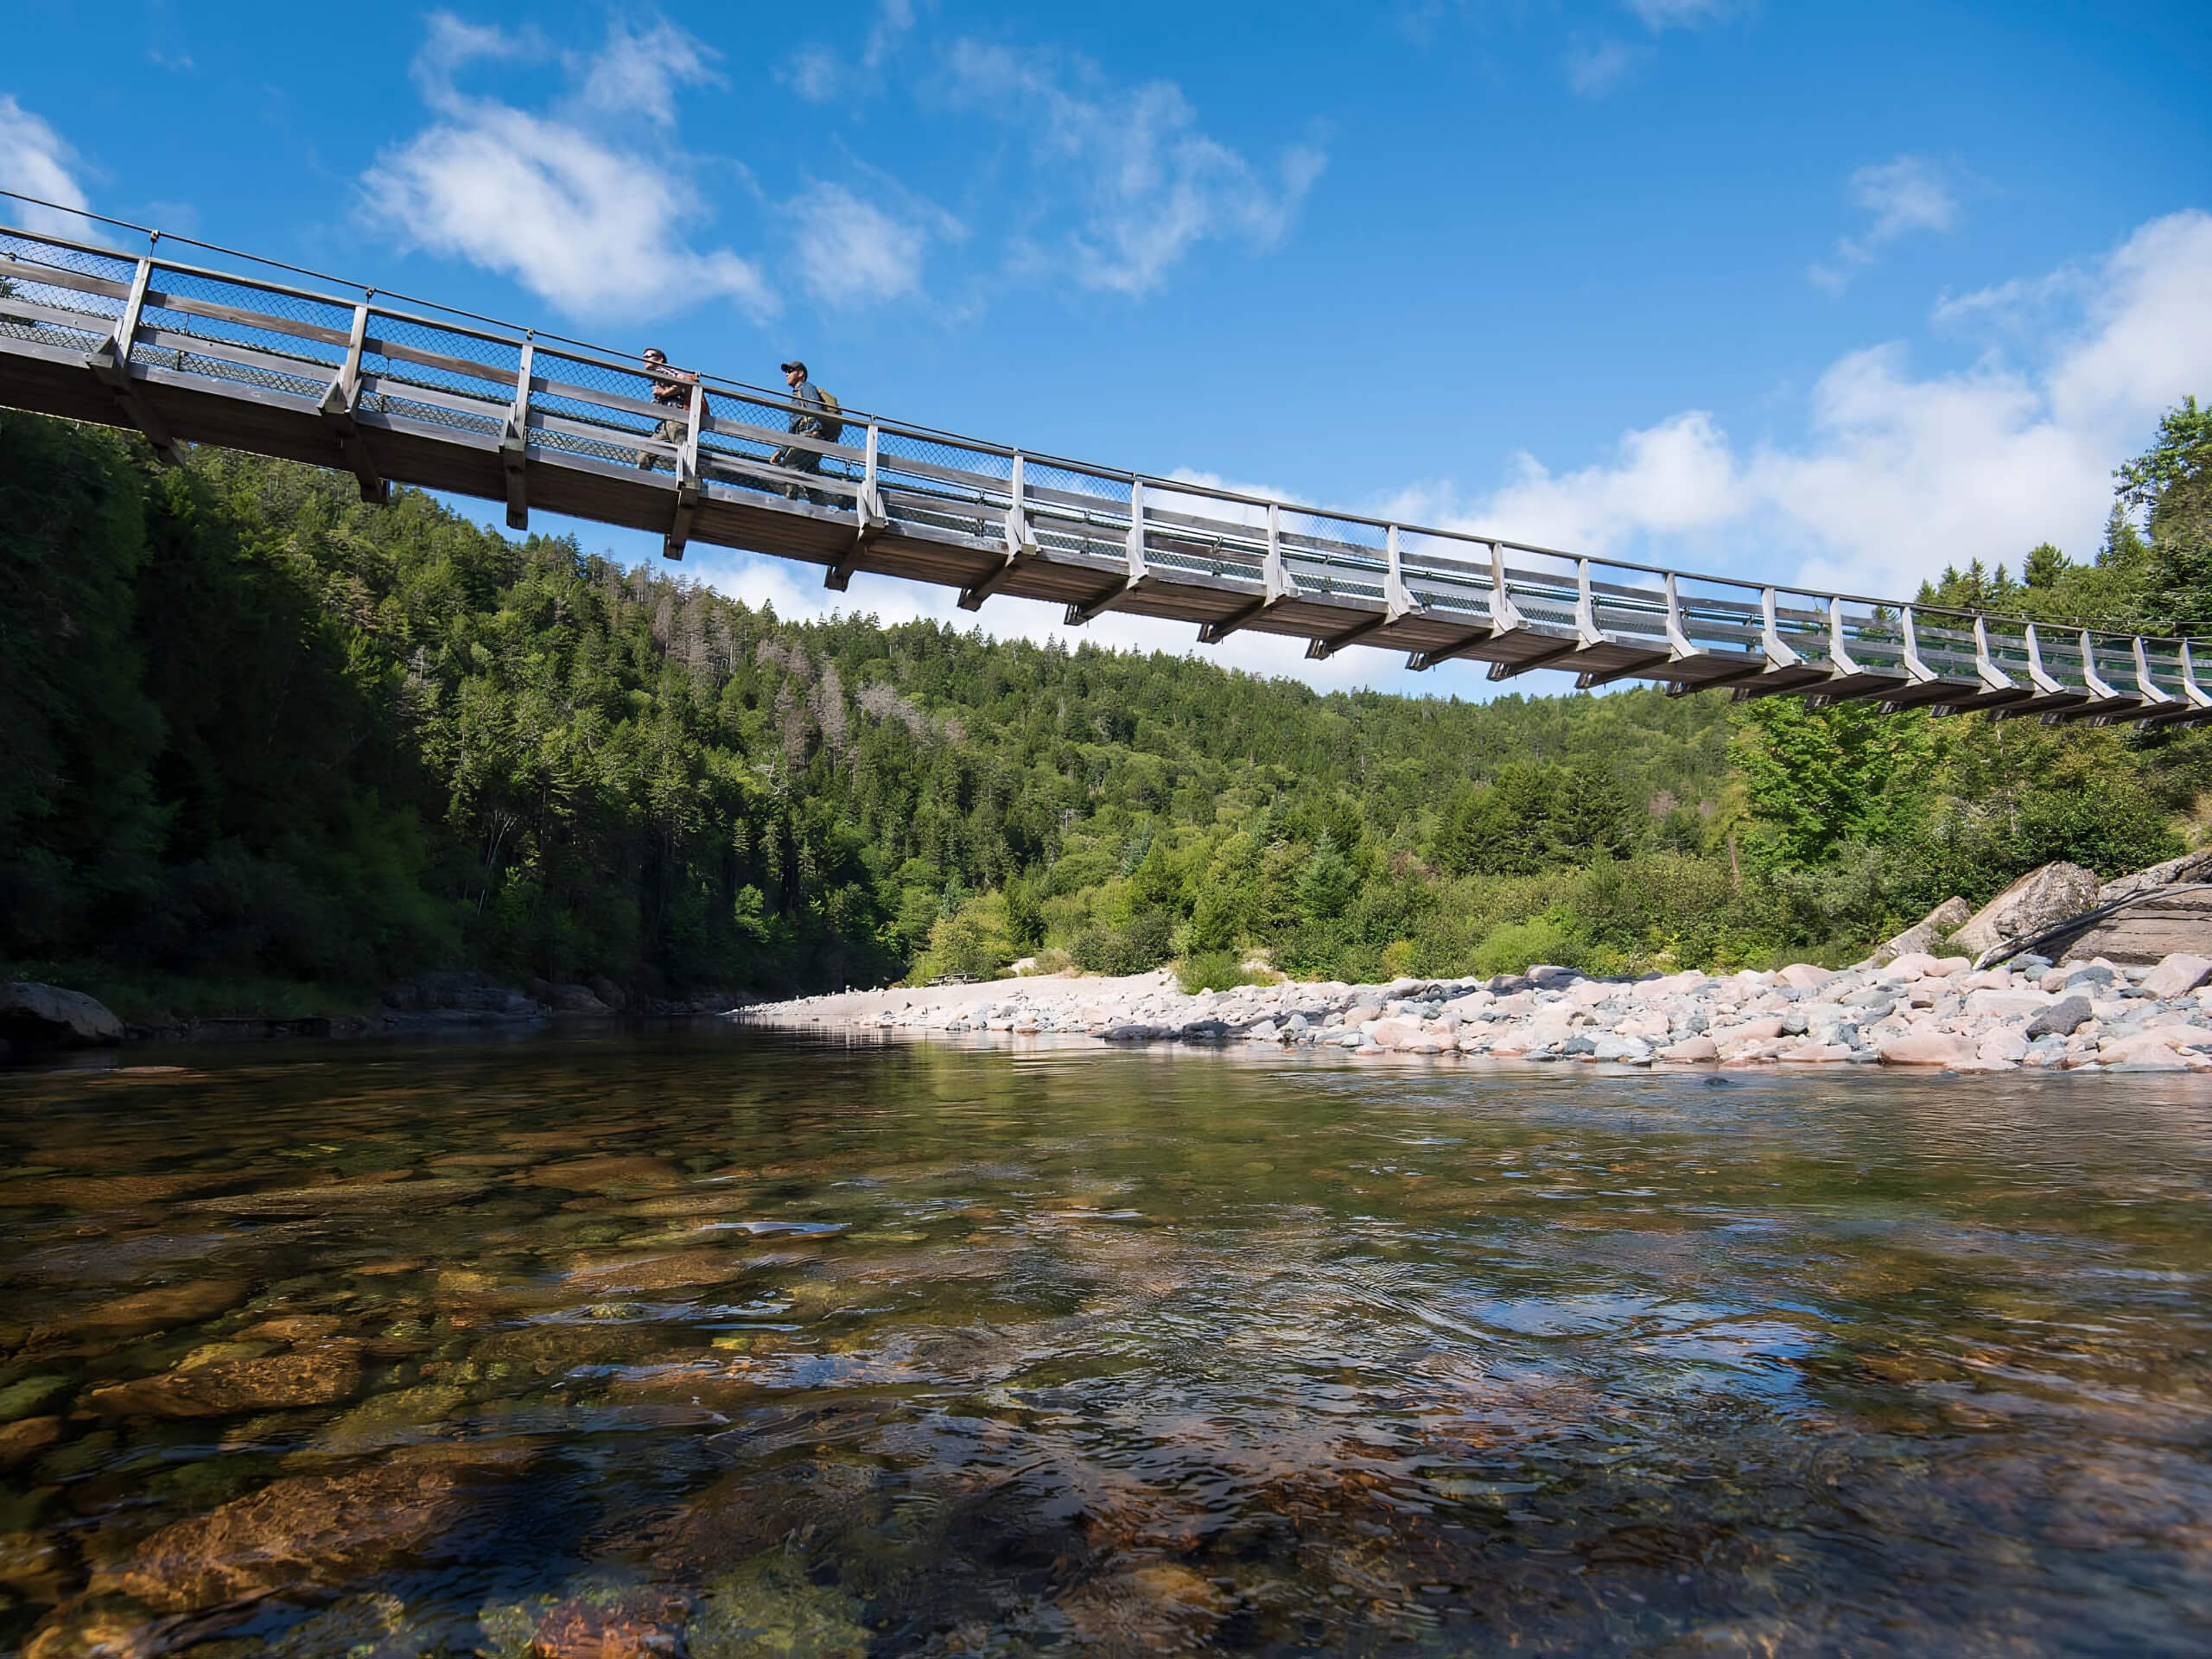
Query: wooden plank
x=42 y=276
x=409 y=391
x=468 y=368
x=86 y=323
x=185 y=305
x=291 y=368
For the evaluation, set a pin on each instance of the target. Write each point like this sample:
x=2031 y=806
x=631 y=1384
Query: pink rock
x=2178 y=975
x=1394 y=1034
x=1512 y=1045
x=2003 y=1044
x=1927 y=1048
x=2005 y=1005
x=1945 y=966
x=1911 y=965
x=1815 y=1054
x=1803 y=976
x=1761 y=1030
x=1699 y=1047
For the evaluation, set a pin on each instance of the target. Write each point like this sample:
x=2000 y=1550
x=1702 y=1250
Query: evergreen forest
x=265 y=747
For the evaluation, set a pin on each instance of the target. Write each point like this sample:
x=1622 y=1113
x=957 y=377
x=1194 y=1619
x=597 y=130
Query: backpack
x=832 y=427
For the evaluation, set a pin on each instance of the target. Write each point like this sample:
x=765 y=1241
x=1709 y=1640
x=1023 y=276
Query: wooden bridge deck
x=187 y=354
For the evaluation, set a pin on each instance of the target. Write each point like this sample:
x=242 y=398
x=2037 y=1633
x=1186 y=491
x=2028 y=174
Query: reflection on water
x=728 y=1344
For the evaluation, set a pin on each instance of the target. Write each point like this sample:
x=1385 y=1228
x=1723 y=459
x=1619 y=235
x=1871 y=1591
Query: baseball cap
x=794 y=363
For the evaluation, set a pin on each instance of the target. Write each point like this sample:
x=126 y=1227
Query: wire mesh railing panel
x=38 y=274
x=1076 y=514
x=1329 y=555
x=2116 y=660
x=1946 y=645
x=1446 y=574
x=1187 y=529
x=1628 y=606
x=760 y=457
x=910 y=477
x=219 y=329
x=2008 y=651
x=1545 y=587
x=1719 y=618
x=478 y=372
x=1801 y=627
x=2162 y=658
x=1872 y=638
x=577 y=393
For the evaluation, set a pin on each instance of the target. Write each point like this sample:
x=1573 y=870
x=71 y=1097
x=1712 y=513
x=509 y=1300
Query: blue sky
x=1824 y=294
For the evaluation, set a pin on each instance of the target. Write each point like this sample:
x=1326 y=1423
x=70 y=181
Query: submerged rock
x=768 y=1609
x=25 y=1438
x=223 y=1387
x=144 y=1311
x=297 y=1535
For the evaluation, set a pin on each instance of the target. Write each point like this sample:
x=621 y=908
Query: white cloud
x=1900 y=475
x=819 y=73
x=586 y=205
x=1595 y=67
x=1144 y=184
x=1911 y=194
x=853 y=253
x=35 y=162
x=1658 y=14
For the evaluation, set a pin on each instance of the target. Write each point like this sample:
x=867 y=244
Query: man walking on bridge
x=672 y=387
x=813 y=417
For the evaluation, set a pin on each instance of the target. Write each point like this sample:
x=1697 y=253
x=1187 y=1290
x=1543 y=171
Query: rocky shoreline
x=1916 y=1009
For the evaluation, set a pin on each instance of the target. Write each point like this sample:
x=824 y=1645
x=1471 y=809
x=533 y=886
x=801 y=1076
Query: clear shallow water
x=732 y=1343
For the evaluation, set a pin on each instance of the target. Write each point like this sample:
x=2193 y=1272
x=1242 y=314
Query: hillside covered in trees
x=260 y=736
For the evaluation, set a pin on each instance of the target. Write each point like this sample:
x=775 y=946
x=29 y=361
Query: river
x=732 y=1343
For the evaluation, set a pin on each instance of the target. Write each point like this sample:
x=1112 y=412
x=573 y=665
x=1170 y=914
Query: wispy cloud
x=1659 y=15
x=851 y=252
x=1900 y=474
x=819 y=73
x=586 y=203
x=1142 y=182
x=1907 y=195
x=35 y=162
x=1594 y=68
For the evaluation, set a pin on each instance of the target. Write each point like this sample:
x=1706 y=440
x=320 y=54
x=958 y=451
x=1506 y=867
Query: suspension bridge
x=412 y=393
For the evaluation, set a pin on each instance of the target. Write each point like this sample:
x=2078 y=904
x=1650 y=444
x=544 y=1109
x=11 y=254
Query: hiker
x=815 y=417
x=672 y=387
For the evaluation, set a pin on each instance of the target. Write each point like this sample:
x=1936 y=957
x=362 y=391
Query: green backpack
x=832 y=427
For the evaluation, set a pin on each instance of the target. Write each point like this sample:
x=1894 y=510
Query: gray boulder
x=2039 y=900
x=1924 y=935
x=2174 y=872
x=2062 y=1019
x=33 y=1016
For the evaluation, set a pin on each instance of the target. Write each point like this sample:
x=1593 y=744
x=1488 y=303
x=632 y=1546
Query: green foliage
x=1816 y=778
x=973 y=943
x=259 y=731
x=1213 y=970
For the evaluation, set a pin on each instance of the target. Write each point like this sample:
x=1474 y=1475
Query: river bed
x=733 y=1342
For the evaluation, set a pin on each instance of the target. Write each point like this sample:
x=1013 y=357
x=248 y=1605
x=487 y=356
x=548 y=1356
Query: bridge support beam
x=1020 y=545
x=1542 y=659
x=869 y=519
x=1139 y=572
x=687 y=479
x=110 y=363
x=1280 y=589
x=514 y=445
x=340 y=399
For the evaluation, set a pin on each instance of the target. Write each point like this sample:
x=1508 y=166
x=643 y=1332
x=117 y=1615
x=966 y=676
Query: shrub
x=1213 y=970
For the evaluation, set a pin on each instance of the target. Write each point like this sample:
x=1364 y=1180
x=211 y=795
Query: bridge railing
x=486 y=383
